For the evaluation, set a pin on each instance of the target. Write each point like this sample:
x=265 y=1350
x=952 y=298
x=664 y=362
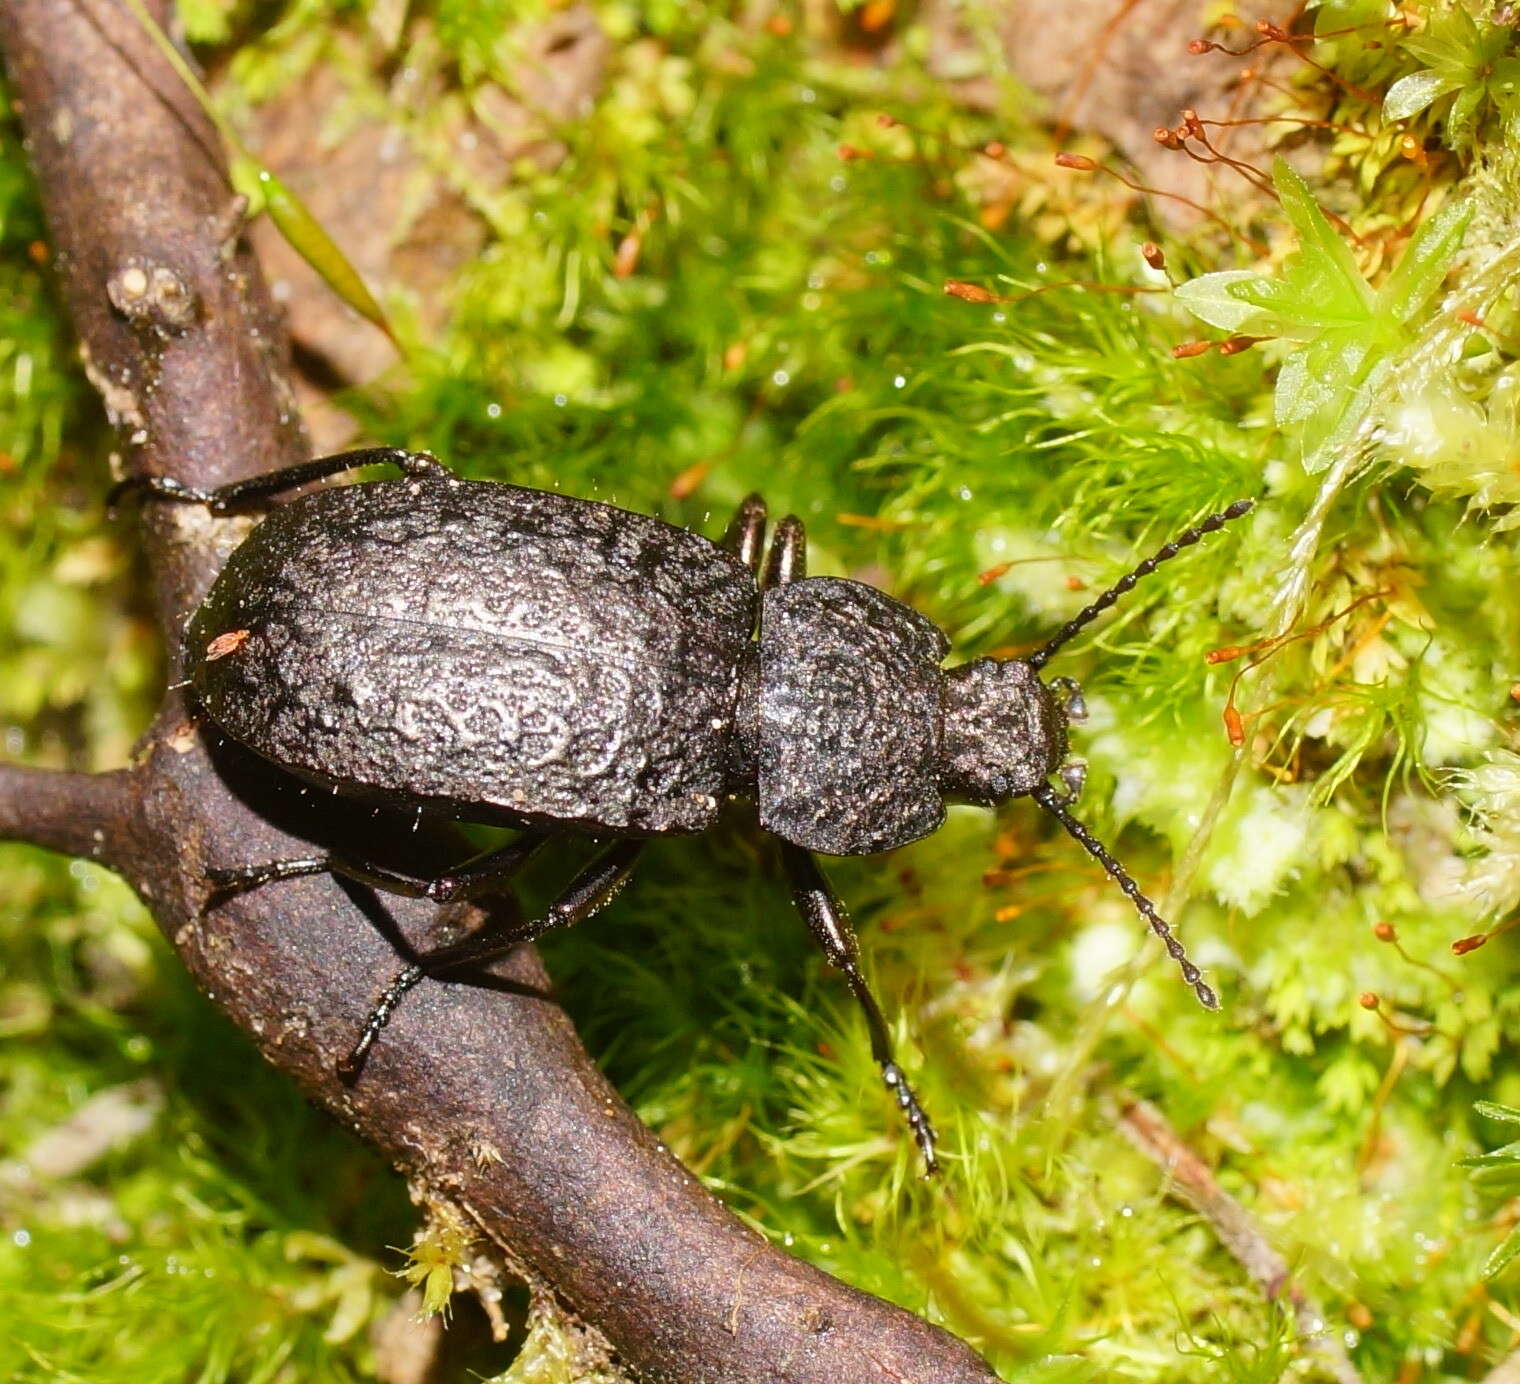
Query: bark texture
x=481 y=1094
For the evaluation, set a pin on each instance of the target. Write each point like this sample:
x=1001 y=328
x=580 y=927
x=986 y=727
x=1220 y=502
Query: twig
x=72 y=813
x=180 y=337
x=1147 y=1128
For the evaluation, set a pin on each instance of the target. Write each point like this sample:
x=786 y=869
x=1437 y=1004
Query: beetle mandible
x=600 y=671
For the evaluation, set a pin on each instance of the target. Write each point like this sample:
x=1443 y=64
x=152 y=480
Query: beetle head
x=1004 y=731
x=1005 y=735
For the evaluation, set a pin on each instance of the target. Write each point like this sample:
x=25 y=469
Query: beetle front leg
x=481 y=872
x=827 y=920
x=226 y=498
x=588 y=893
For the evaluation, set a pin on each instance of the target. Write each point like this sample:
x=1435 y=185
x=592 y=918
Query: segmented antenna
x=1051 y=802
x=1185 y=539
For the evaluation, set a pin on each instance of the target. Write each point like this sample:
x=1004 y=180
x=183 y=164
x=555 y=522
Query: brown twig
x=179 y=335
x=76 y=814
x=1191 y=1178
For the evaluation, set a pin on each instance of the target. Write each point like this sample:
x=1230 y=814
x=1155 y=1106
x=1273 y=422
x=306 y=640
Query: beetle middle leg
x=827 y=920
x=474 y=876
x=224 y=499
x=588 y=893
x=745 y=535
x=787 y=559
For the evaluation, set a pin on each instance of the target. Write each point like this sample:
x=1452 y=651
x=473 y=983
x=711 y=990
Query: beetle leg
x=787 y=559
x=589 y=892
x=476 y=875
x=226 y=498
x=827 y=920
x=225 y=883
x=485 y=871
x=745 y=535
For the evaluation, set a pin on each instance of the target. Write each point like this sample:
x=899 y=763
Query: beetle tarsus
x=159 y=488
x=913 y=1112
x=226 y=499
x=350 y=1067
x=225 y=884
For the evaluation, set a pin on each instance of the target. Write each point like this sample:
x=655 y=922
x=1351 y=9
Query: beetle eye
x=1070 y=699
x=1074 y=775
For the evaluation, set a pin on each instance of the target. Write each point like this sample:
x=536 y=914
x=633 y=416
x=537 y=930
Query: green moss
x=785 y=328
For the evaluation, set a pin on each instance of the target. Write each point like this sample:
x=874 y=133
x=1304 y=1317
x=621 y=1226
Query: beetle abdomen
x=485 y=649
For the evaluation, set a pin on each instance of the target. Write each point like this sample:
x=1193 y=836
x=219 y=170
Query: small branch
x=1191 y=1178
x=76 y=814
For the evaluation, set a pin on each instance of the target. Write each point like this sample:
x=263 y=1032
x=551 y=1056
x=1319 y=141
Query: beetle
x=493 y=653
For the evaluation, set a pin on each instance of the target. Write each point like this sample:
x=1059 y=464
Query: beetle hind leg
x=592 y=889
x=225 y=499
x=476 y=875
x=824 y=913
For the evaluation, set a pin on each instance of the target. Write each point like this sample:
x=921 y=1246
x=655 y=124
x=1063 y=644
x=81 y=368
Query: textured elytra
x=848 y=729
x=483 y=650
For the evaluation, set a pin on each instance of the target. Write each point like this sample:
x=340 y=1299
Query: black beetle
x=590 y=669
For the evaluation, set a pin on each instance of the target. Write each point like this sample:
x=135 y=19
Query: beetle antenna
x=1126 y=583
x=1051 y=801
